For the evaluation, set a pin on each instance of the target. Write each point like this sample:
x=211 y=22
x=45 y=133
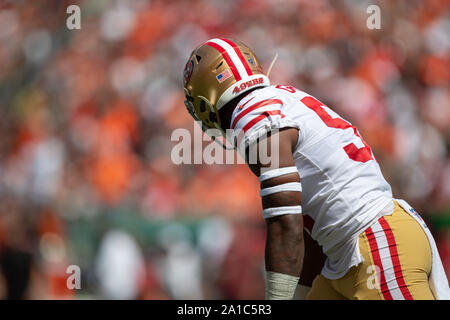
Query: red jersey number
x=290 y=89
x=363 y=154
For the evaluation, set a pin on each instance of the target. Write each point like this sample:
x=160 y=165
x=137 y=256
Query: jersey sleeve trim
x=257 y=105
x=252 y=137
x=262 y=116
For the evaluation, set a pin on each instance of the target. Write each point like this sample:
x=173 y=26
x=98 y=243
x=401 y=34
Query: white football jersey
x=343 y=189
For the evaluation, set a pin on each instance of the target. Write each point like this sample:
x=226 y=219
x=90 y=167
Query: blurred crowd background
x=86 y=117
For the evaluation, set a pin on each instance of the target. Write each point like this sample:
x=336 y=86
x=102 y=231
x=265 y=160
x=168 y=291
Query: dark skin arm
x=285 y=245
x=285 y=249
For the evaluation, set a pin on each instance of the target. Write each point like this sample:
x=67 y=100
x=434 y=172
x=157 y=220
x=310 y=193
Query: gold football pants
x=396 y=266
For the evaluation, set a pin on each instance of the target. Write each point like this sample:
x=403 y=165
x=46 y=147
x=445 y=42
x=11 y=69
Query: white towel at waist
x=438 y=279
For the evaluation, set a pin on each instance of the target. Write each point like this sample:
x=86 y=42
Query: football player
x=325 y=182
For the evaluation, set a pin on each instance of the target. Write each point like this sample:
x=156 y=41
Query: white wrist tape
x=280 y=286
x=278 y=211
x=290 y=186
x=276 y=173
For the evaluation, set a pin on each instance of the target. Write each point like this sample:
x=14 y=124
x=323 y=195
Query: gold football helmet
x=218 y=71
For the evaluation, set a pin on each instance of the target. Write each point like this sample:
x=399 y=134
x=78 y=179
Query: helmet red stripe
x=227 y=58
x=239 y=54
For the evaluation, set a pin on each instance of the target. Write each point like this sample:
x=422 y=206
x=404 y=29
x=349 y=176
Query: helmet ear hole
x=198 y=58
x=202 y=106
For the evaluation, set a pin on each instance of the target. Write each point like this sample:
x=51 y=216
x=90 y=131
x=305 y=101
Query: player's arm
x=281 y=200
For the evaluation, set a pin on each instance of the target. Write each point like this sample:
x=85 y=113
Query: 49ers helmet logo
x=188 y=71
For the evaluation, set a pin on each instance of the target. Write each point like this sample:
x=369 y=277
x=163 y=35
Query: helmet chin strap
x=224 y=135
x=217 y=125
